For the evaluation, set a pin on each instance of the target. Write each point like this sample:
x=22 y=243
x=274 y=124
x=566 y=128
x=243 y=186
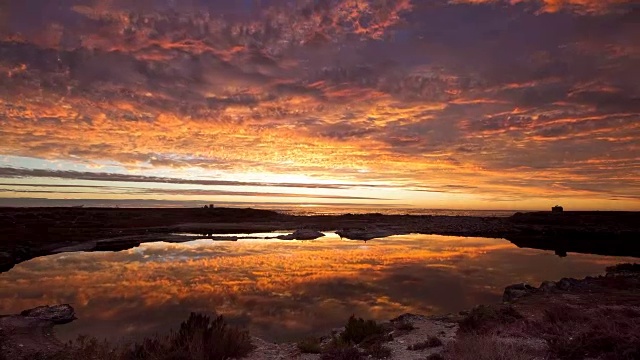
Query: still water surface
x=280 y=290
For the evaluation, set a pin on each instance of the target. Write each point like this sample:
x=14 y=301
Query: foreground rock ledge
x=31 y=332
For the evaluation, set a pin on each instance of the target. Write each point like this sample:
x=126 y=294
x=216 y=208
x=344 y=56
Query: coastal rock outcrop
x=29 y=335
x=302 y=234
x=57 y=314
x=516 y=291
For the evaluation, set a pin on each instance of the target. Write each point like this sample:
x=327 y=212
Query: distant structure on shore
x=210 y=206
x=557 y=209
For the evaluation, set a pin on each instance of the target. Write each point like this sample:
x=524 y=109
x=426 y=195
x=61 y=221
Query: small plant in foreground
x=431 y=342
x=199 y=338
x=482 y=317
x=310 y=346
x=358 y=329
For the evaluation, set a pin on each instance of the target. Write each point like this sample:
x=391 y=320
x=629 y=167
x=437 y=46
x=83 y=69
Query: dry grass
x=603 y=332
x=474 y=347
x=484 y=317
x=310 y=346
x=581 y=326
x=199 y=338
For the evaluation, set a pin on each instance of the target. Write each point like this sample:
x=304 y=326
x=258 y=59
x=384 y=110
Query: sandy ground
x=424 y=327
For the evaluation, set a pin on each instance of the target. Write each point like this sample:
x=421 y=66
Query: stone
x=516 y=291
x=564 y=284
x=302 y=234
x=547 y=286
x=57 y=314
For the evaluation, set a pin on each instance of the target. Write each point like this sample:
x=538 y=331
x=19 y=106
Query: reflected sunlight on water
x=281 y=290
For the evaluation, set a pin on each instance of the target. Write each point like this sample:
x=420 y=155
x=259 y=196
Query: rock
x=565 y=284
x=547 y=286
x=516 y=291
x=57 y=314
x=364 y=234
x=302 y=234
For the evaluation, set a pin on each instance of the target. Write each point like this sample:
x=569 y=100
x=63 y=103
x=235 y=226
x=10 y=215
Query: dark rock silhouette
x=302 y=234
x=513 y=292
x=364 y=234
x=57 y=314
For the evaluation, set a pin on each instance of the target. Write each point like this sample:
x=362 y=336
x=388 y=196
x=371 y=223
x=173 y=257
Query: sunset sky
x=463 y=104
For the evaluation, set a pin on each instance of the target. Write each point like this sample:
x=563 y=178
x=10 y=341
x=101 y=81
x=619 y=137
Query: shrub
x=199 y=338
x=310 y=346
x=562 y=313
x=211 y=339
x=482 y=317
x=431 y=342
x=358 y=329
x=87 y=348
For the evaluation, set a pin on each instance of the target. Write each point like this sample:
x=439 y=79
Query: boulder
x=565 y=284
x=516 y=291
x=547 y=286
x=302 y=234
x=364 y=234
x=57 y=314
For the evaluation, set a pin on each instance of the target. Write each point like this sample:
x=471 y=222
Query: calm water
x=281 y=290
x=338 y=210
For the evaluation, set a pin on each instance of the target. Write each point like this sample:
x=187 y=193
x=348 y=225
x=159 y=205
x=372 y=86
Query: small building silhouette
x=557 y=209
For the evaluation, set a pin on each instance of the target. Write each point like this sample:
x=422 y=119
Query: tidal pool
x=280 y=290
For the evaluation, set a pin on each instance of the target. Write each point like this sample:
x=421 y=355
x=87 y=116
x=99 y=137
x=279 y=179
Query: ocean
x=338 y=210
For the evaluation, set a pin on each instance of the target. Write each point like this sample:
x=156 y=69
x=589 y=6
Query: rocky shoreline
x=535 y=322
x=26 y=233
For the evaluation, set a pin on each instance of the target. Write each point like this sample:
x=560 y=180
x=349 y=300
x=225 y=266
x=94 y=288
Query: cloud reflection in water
x=282 y=290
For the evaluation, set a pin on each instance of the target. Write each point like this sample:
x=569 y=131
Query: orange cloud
x=438 y=110
x=551 y=6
